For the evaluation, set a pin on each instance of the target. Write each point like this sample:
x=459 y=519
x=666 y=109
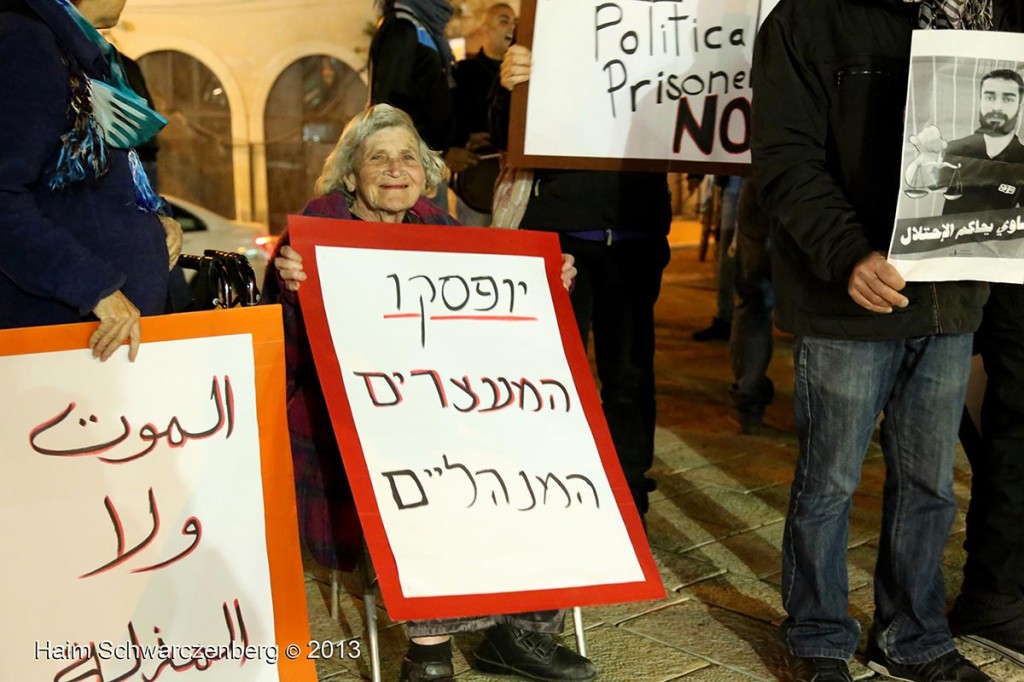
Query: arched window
x=195 y=158
x=307 y=108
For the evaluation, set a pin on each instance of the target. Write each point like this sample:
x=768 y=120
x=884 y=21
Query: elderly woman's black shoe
x=510 y=651
x=433 y=671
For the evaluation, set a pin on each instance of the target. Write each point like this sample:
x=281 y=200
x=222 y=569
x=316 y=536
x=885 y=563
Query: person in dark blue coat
x=83 y=238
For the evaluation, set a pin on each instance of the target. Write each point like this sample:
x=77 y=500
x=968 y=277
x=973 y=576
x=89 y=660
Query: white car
x=203 y=229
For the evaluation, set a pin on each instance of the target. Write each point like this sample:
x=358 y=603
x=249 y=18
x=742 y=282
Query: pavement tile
x=669 y=528
x=747 y=474
x=676 y=572
x=622 y=654
x=742 y=595
x=720 y=636
x=735 y=510
x=754 y=553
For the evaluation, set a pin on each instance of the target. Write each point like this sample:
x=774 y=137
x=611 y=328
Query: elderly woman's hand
x=173 y=235
x=515 y=66
x=289 y=265
x=568 y=271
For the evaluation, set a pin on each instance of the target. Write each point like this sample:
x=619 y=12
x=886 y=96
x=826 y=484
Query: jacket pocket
x=869 y=98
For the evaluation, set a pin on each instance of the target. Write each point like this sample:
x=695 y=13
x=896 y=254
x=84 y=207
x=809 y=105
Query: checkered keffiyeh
x=965 y=14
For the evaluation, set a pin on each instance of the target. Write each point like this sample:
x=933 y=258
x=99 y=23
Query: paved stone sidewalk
x=715 y=527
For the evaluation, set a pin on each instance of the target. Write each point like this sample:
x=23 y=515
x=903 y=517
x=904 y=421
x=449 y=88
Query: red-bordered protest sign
x=470 y=427
x=149 y=521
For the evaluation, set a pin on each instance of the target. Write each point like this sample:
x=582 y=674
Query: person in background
x=725 y=271
x=411 y=66
x=989 y=609
x=84 y=237
x=475 y=79
x=378 y=172
x=750 y=344
x=616 y=226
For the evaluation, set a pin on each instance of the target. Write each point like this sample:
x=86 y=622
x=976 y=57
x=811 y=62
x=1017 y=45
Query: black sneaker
x=434 y=671
x=992 y=621
x=510 y=651
x=820 y=670
x=951 y=667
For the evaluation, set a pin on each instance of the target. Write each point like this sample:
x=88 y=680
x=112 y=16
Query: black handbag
x=475 y=186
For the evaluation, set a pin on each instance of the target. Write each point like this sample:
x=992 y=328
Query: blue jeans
x=841 y=387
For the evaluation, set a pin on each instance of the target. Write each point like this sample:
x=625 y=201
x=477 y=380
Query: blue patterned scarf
x=103 y=109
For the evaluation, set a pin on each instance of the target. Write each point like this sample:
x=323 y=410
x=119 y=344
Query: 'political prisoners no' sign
x=468 y=420
x=637 y=85
x=958 y=213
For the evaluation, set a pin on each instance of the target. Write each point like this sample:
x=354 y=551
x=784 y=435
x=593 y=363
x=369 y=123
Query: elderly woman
x=380 y=171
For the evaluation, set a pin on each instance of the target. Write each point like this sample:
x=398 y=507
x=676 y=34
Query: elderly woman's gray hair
x=344 y=159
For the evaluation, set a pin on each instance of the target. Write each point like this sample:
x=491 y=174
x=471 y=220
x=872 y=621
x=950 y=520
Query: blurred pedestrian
x=475 y=79
x=725 y=261
x=750 y=344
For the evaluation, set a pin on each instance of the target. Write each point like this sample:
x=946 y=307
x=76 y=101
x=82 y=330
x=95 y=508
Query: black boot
x=436 y=671
x=428 y=663
x=991 y=620
x=510 y=651
x=720 y=330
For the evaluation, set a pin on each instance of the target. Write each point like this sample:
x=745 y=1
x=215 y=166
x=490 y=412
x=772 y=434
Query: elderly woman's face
x=389 y=176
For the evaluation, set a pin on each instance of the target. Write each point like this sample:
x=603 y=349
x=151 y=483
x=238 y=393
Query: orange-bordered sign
x=149 y=518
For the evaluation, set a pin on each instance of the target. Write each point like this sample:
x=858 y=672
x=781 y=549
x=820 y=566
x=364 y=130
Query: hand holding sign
x=516 y=66
x=119 y=321
x=875 y=284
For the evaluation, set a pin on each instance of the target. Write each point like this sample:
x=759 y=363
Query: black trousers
x=995 y=518
x=616 y=288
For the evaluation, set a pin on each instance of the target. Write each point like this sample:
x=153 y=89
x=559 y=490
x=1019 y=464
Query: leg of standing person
x=841 y=387
x=721 y=324
x=990 y=607
x=750 y=346
x=614 y=295
x=919 y=440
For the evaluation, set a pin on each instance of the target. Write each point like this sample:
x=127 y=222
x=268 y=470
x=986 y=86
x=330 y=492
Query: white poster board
x=133 y=515
x=461 y=420
x=959 y=215
x=636 y=85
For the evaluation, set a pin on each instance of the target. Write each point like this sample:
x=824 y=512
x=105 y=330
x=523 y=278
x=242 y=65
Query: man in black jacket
x=830 y=82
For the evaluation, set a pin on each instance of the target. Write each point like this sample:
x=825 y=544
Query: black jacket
x=830 y=83
x=408 y=73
